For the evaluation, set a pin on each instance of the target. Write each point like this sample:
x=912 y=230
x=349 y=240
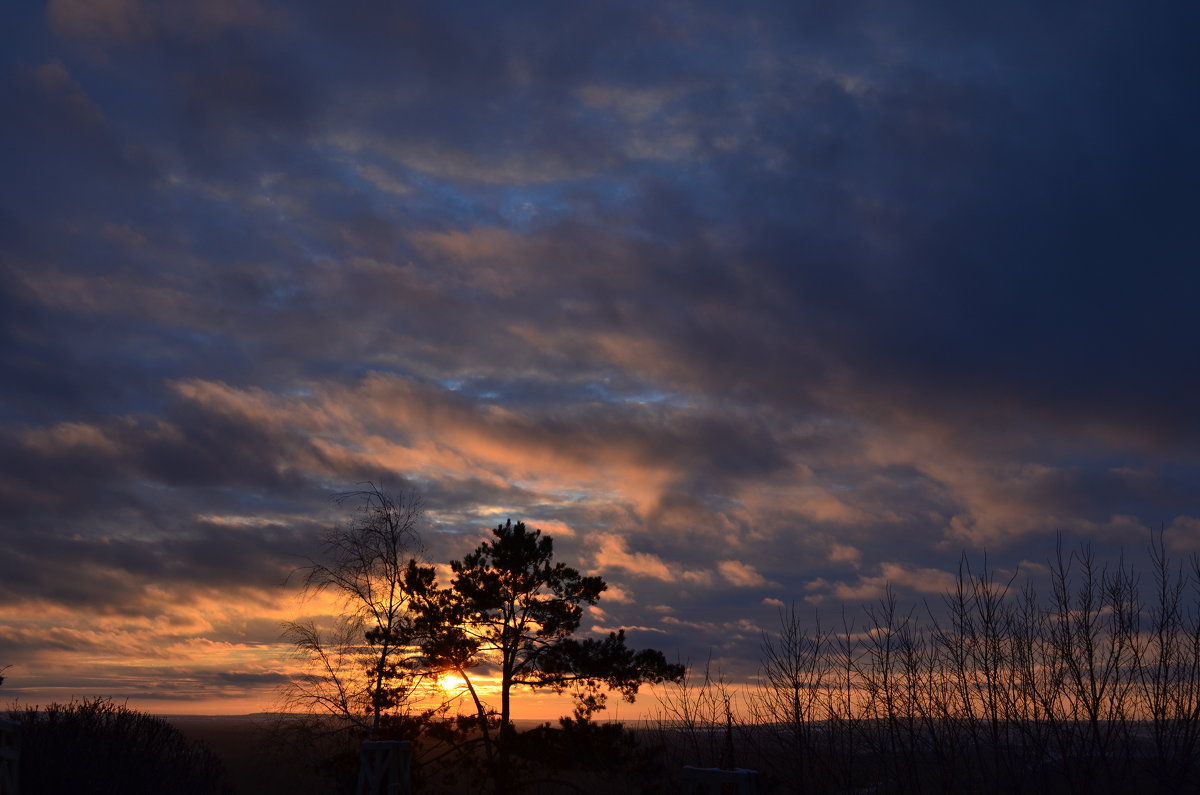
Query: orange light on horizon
x=452 y=684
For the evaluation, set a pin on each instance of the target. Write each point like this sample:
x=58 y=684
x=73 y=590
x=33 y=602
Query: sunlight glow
x=452 y=683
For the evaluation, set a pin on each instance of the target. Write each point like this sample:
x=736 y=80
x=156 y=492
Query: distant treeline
x=1090 y=685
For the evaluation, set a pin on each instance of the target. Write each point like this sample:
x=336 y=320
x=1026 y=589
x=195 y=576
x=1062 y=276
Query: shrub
x=99 y=747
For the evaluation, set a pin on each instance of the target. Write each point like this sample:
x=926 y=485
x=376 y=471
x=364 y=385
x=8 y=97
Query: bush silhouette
x=99 y=747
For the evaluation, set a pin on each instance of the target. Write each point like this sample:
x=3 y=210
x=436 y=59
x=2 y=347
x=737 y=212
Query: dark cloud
x=774 y=302
x=253 y=678
x=128 y=576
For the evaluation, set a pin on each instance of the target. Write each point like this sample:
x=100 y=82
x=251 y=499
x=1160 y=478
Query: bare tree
x=1093 y=688
x=366 y=664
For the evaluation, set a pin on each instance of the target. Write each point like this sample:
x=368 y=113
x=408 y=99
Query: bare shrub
x=1090 y=686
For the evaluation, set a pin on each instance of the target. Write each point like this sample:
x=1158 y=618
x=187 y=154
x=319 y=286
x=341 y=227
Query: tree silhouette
x=512 y=608
x=368 y=664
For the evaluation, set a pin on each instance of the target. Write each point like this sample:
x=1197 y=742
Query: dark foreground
x=101 y=748
x=258 y=762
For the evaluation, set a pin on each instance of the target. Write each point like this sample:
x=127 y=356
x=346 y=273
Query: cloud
x=254 y=677
x=844 y=553
x=741 y=575
x=921 y=580
x=120 y=21
x=56 y=81
x=827 y=296
x=612 y=552
x=125 y=22
x=1183 y=534
x=616 y=595
x=602 y=630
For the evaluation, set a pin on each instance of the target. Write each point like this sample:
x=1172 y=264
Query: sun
x=450 y=683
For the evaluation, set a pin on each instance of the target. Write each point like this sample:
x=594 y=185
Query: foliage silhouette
x=601 y=757
x=512 y=608
x=103 y=748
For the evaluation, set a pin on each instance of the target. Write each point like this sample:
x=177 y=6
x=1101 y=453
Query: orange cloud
x=743 y=575
x=845 y=553
x=919 y=579
x=612 y=552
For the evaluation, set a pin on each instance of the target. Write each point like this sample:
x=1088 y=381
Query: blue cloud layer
x=751 y=303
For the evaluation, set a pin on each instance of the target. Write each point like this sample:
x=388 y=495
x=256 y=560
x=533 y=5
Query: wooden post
x=716 y=781
x=10 y=756
x=384 y=768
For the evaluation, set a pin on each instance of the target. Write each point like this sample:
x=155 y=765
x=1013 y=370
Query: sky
x=746 y=307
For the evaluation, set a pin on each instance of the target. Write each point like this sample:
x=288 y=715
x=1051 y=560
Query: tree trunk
x=503 y=771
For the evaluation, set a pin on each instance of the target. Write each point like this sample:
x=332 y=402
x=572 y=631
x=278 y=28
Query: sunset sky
x=745 y=306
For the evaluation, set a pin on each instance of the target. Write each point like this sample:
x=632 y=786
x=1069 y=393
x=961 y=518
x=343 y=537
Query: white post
x=384 y=768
